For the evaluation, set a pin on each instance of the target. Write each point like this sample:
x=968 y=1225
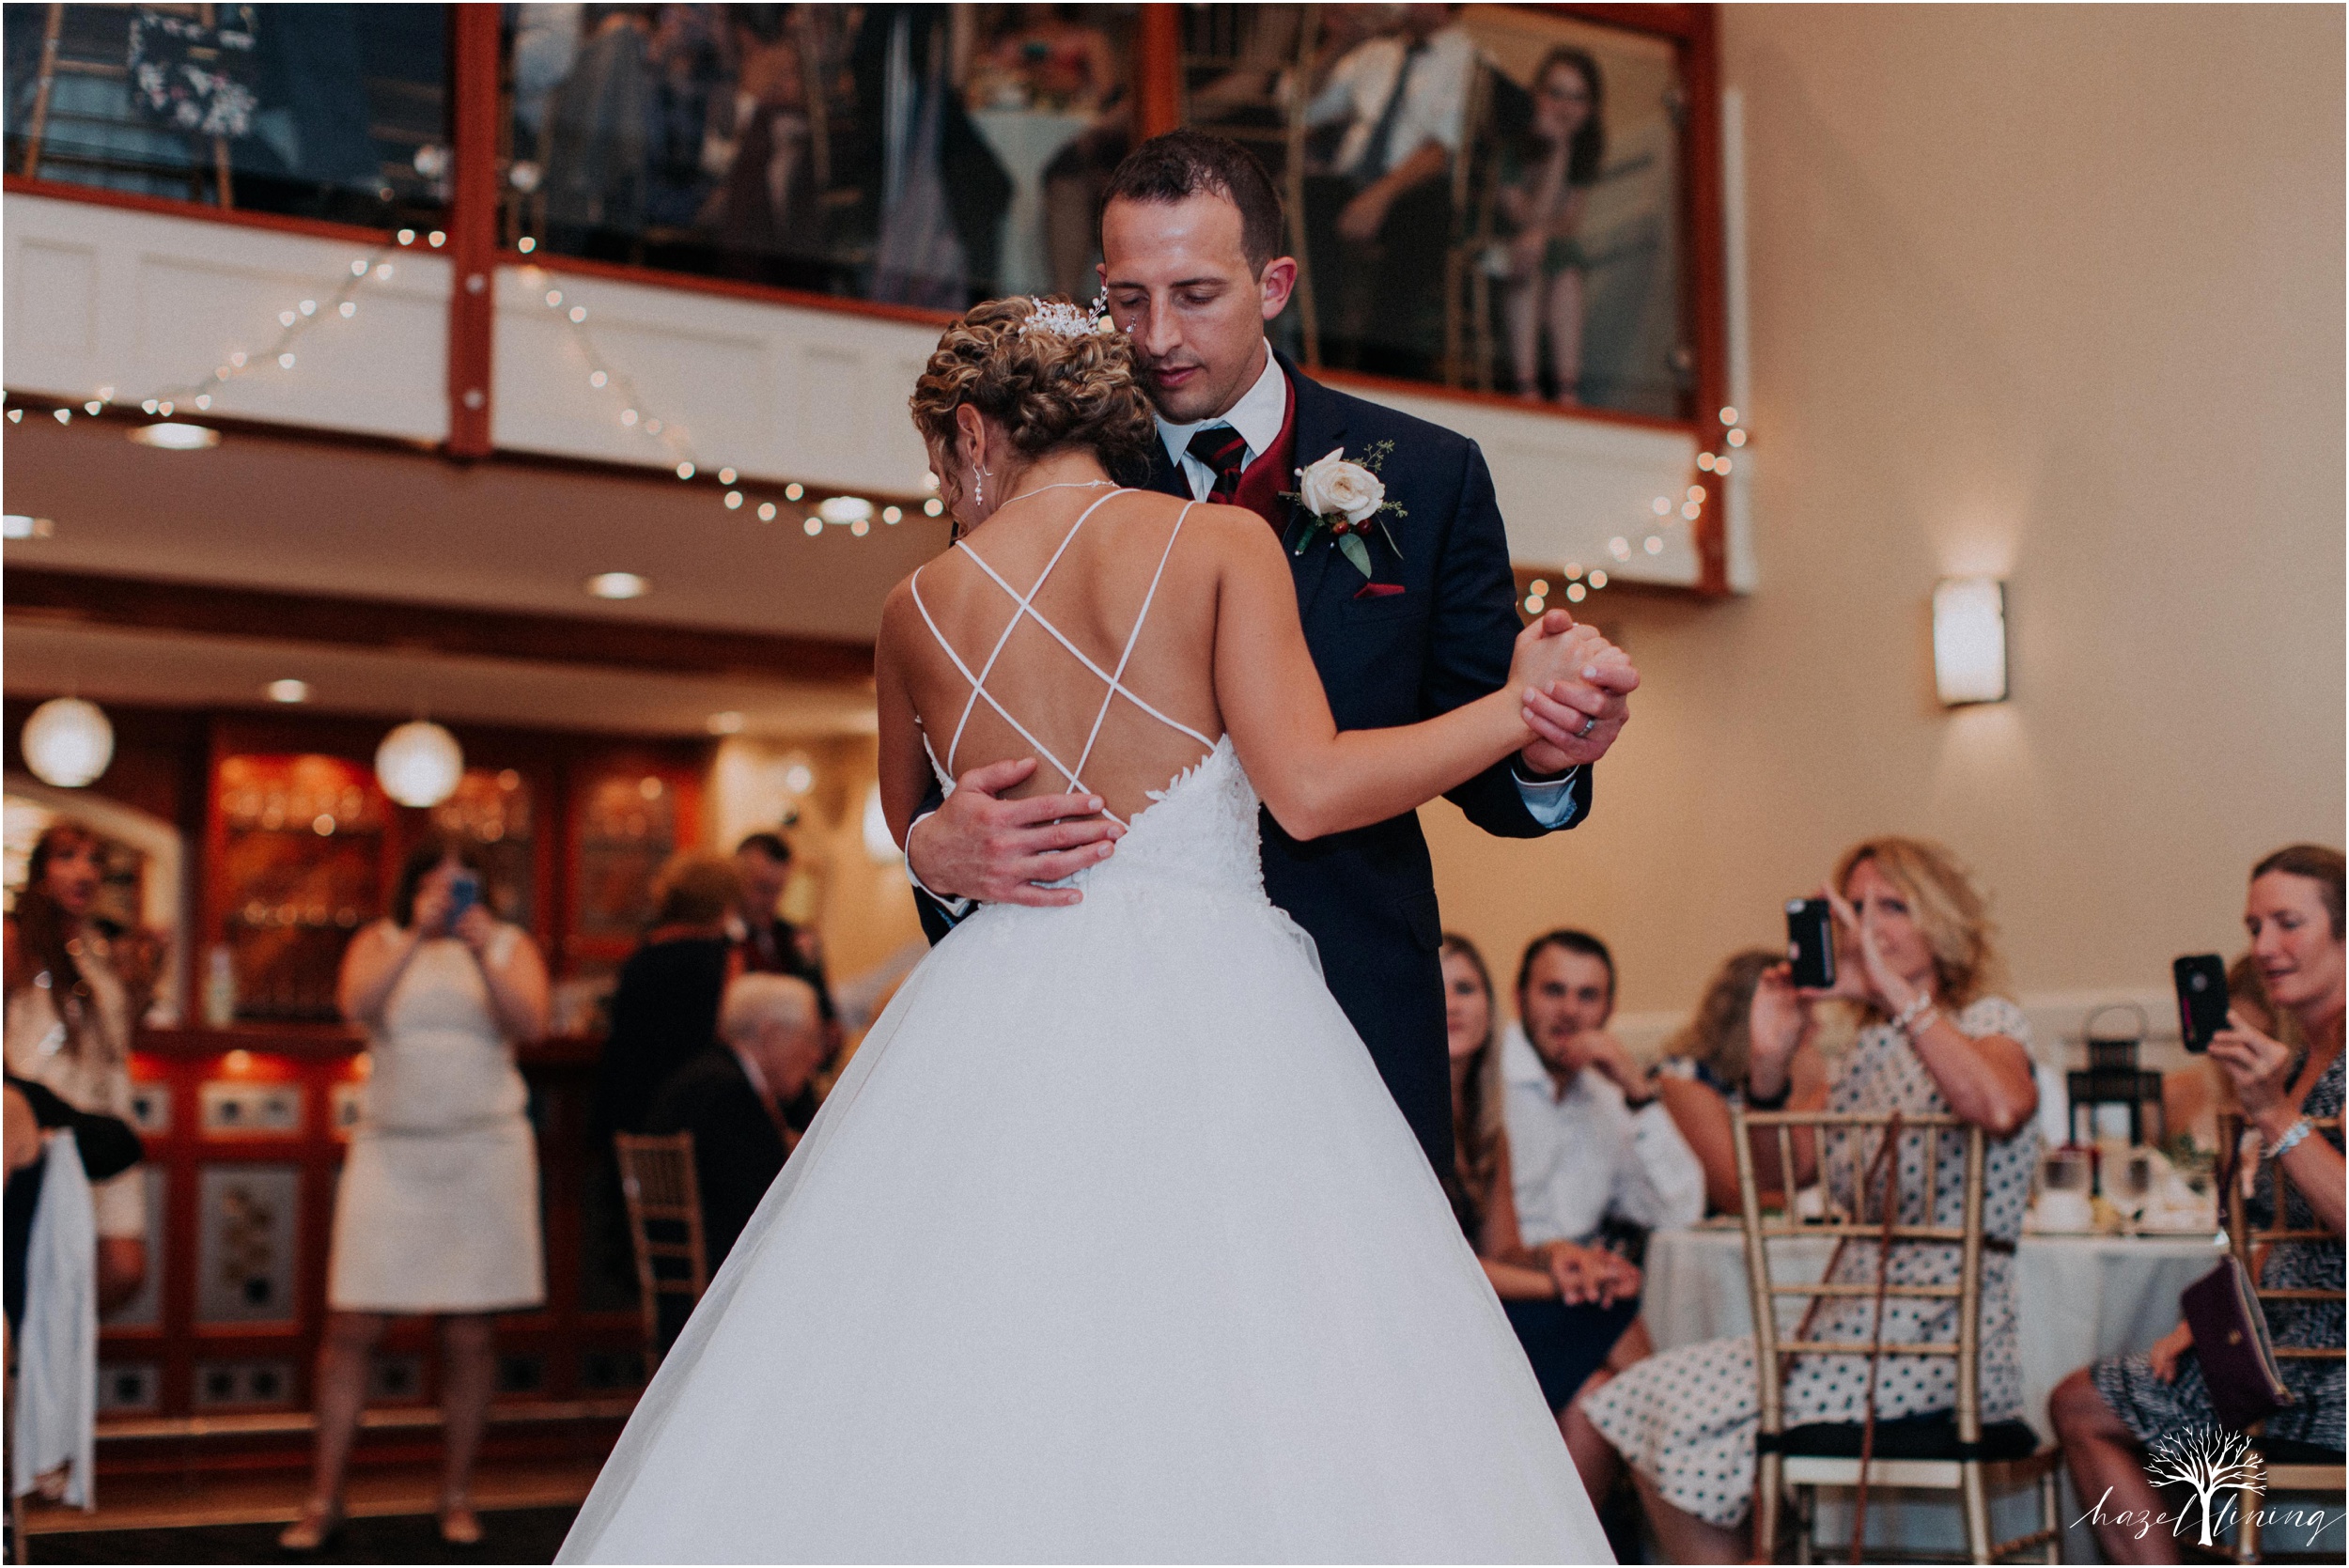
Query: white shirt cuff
x=956 y=908
x=1552 y=802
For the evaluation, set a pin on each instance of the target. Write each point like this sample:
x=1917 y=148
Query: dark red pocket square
x=1379 y=590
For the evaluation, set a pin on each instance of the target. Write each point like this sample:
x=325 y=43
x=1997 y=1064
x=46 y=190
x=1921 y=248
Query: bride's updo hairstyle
x=1050 y=382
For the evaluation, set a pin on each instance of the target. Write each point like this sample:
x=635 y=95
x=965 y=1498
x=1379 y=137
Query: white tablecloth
x=1025 y=140
x=2078 y=1299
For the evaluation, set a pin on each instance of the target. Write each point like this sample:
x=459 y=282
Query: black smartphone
x=1810 y=942
x=2201 y=980
x=463 y=889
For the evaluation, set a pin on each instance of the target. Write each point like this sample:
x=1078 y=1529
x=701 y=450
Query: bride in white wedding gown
x=1110 y=1244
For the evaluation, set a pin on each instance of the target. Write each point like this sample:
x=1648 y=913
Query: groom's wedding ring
x=1588 y=725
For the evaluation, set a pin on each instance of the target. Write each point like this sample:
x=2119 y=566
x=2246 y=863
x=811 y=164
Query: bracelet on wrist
x=1918 y=1017
x=1773 y=1102
x=2292 y=1138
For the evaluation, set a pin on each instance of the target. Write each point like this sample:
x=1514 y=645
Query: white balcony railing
x=98 y=296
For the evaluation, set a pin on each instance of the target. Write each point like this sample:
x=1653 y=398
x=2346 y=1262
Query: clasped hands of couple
x=979 y=846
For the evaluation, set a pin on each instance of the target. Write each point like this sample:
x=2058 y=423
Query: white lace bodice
x=1201 y=830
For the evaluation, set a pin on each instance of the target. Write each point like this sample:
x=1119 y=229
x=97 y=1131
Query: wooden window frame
x=474 y=253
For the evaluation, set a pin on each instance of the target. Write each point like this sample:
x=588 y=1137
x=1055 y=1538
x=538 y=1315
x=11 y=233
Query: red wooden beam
x=1158 y=50
x=473 y=225
x=1706 y=280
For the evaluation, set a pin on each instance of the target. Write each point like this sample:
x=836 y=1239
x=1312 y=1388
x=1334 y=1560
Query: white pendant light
x=67 y=742
x=419 y=764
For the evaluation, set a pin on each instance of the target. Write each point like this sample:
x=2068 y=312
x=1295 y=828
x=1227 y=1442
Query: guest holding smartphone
x=438 y=1210
x=2108 y=1414
x=1919 y=963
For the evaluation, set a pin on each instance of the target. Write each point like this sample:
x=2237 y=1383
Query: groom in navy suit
x=1190 y=225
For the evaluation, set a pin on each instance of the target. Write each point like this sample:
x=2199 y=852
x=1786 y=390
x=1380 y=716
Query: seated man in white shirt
x=1588 y=1139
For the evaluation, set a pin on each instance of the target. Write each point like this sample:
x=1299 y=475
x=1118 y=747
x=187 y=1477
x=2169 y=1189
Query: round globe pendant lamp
x=419 y=763
x=67 y=742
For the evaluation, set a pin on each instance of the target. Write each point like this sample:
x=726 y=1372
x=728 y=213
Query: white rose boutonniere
x=1344 y=498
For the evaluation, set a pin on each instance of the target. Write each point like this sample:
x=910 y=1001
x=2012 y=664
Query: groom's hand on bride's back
x=1578 y=703
x=980 y=845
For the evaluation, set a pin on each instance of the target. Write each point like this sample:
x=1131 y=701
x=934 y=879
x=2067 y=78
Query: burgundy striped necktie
x=1223 y=452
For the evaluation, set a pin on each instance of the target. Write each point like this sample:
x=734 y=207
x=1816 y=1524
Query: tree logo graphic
x=2209 y=1460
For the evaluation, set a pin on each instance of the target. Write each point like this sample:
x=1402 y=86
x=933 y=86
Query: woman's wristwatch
x=1777 y=1101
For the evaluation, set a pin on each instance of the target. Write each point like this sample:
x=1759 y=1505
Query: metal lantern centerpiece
x=2113 y=1078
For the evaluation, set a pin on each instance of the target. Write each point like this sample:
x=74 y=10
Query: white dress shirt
x=1581 y=1157
x=1434 y=105
x=1257 y=418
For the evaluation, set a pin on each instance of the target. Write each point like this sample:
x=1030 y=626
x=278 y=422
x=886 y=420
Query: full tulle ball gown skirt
x=1110 y=1245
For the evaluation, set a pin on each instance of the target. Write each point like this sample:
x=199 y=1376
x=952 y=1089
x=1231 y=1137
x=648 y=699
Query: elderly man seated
x=746 y=1099
x=1589 y=1141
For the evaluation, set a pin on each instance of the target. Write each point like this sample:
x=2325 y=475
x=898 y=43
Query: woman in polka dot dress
x=1915 y=953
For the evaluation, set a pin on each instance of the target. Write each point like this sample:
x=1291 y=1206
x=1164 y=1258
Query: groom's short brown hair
x=1185 y=164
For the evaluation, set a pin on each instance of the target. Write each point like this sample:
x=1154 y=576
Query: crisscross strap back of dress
x=1024 y=608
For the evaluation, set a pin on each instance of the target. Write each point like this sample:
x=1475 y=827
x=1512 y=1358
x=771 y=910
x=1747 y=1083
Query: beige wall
x=2048 y=292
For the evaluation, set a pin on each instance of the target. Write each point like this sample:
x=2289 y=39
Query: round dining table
x=2079 y=1297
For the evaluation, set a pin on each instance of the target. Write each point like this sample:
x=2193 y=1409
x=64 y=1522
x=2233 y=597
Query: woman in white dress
x=438 y=1208
x=1110 y=1244
x=73 y=996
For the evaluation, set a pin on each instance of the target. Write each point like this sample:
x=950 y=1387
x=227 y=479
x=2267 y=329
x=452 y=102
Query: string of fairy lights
x=1580 y=583
x=855 y=513
x=735 y=492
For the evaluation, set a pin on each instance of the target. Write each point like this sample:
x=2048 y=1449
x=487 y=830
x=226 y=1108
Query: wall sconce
x=1970 y=639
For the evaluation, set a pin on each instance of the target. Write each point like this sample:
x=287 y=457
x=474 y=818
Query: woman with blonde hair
x=665 y=1008
x=1918 y=961
x=1110 y=1242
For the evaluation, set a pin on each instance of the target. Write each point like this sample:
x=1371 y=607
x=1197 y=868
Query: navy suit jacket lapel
x=1320 y=426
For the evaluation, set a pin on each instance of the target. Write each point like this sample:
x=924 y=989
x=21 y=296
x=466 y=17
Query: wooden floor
x=509 y=1535
x=190 y=1499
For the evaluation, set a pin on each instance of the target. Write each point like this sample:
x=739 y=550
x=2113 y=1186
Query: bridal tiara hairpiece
x=1066 y=320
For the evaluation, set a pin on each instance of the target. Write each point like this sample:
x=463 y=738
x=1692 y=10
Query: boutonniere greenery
x=1345 y=498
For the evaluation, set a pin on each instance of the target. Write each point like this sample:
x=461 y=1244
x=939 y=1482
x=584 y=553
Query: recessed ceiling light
x=729 y=723
x=175 y=437
x=846 y=508
x=619 y=584
x=288 y=691
x=16 y=525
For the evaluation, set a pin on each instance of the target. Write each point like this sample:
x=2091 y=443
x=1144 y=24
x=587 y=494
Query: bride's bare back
x=1113 y=638
x=1077 y=627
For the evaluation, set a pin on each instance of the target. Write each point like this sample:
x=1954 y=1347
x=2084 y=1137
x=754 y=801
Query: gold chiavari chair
x=657 y=1180
x=2285 y=1466
x=1957 y=1453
